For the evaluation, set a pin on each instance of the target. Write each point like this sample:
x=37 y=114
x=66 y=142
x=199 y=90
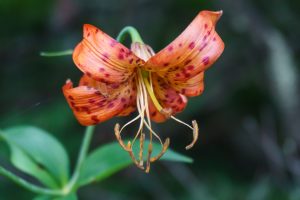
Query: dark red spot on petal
x=105 y=55
x=110 y=105
x=190 y=67
x=180 y=44
x=123 y=100
x=121 y=56
x=91 y=101
x=88 y=74
x=97 y=92
x=153 y=114
x=130 y=61
x=166 y=64
x=205 y=26
x=95 y=118
x=114 y=85
x=86 y=109
x=170 y=48
x=101 y=69
x=187 y=75
x=187 y=62
x=203 y=46
x=192 y=45
x=205 y=60
x=70 y=97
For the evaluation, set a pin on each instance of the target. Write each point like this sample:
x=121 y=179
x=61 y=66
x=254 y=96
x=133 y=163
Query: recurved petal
x=103 y=58
x=172 y=101
x=193 y=51
x=91 y=105
x=192 y=87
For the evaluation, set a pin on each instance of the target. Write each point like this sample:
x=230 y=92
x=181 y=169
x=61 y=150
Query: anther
x=167 y=112
x=163 y=151
x=142 y=140
x=195 y=135
x=149 y=157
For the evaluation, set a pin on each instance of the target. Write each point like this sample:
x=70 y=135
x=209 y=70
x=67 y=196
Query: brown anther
x=118 y=136
x=195 y=135
x=149 y=158
x=133 y=157
x=163 y=151
x=142 y=139
x=127 y=147
x=167 y=112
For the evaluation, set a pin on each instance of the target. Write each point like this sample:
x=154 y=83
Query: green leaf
x=36 y=152
x=26 y=164
x=68 y=197
x=108 y=159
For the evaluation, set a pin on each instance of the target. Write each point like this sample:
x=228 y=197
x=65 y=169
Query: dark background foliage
x=248 y=115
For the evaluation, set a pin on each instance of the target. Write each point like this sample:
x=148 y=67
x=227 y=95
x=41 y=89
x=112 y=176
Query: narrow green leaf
x=56 y=53
x=68 y=197
x=36 y=152
x=108 y=159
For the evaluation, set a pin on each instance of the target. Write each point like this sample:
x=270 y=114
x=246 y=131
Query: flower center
x=144 y=92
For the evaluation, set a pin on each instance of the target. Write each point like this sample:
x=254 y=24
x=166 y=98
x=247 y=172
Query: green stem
x=82 y=155
x=56 y=53
x=134 y=34
x=29 y=186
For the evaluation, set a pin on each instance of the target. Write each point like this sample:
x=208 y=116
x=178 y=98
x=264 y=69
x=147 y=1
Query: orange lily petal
x=167 y=97
x=198 y=45
x=189 y=55
x=90 y=103
x=103 y=58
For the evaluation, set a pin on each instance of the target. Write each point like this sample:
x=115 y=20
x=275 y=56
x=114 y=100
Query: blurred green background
x=248 y=115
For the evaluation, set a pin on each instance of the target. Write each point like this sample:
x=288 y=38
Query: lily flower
x=117 y=80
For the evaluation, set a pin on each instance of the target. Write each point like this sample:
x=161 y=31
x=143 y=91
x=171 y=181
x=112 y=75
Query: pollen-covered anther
x=142 y=140
x=163 y=151
x=118 y=136
x=195 y=135
x=127 y=147
x=167 y=112
x=150 y=148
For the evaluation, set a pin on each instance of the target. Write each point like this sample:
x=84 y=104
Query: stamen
x=142 y=140
x=164 y=149
x=167 y=112
x=118 y=136
x=128 y=147
x=149 y=157
x=195 y=135
x=194 y=128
